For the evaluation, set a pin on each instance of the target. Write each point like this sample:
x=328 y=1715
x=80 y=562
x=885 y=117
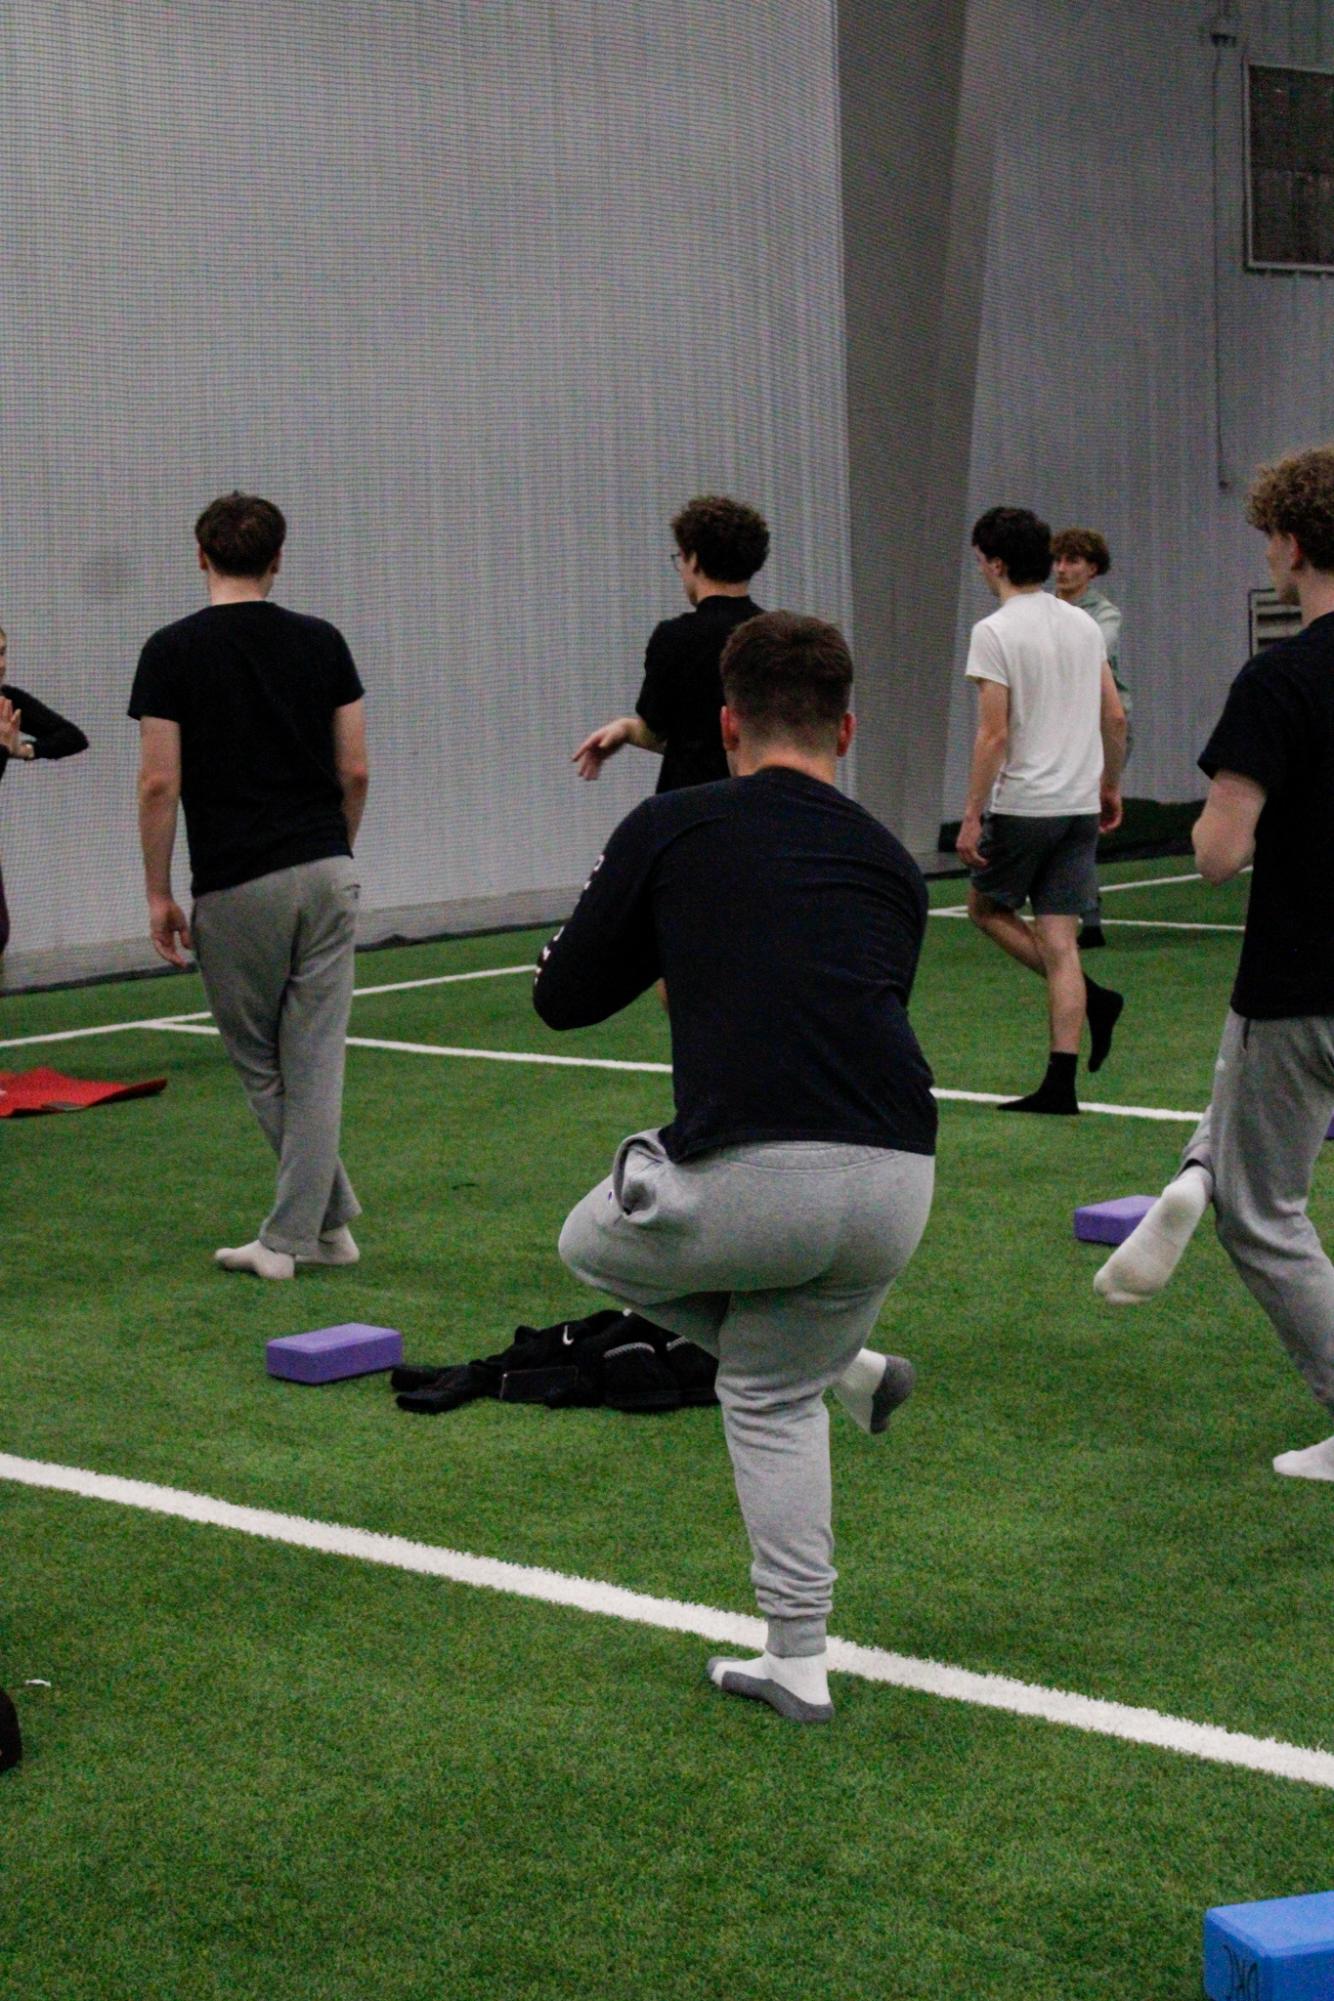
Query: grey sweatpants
x=1272 y=1102
x=276 y=956
x=774 y=1258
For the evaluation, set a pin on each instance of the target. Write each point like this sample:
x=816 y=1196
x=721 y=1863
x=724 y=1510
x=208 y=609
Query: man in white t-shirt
x=1051 y=738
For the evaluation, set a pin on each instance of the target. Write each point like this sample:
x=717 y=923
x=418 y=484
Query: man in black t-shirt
x=720 y=545
x=767 y=1221
x=252 y=718
x=1271 y=765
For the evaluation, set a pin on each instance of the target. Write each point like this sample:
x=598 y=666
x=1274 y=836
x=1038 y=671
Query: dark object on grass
x=611 y=1358
x=11 y=1742
x=1092 y=938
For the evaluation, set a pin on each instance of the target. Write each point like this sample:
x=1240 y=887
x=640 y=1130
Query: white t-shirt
x=1050 y=656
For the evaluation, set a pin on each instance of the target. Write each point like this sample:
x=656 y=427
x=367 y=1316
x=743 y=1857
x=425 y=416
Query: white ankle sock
x=803 y=1679
x=1142 y=1265
x=256 y=1258
x=1316 y=1462
x=858 y=1384
x=873 y=1386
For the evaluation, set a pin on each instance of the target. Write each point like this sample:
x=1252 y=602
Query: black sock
x=1056 y=1092
x=1104 y=1011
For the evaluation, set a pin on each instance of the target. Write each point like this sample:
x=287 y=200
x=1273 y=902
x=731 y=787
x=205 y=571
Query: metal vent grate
x=1290 y=168
x=1271 y=619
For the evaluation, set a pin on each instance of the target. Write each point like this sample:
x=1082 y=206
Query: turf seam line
x=1091 y=1714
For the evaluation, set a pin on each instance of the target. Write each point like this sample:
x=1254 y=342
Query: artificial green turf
x=261 y=1773
x=1075 y=1497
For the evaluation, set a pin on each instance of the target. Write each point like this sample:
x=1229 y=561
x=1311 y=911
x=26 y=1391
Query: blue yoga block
x=1329 y=1130
x=1111 y=1222
x=1278 y=1950
x=327 y=1354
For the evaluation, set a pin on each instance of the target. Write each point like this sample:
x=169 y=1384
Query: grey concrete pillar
x=919 y=82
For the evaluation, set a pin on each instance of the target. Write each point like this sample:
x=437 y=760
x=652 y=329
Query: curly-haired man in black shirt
x=720 y=545
x=1270 y=763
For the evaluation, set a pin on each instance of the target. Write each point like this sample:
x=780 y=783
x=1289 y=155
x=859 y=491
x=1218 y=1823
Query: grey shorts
x=1052 y=863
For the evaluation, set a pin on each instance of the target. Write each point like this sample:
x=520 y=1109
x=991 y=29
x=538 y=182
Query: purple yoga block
x=1111 y=1222
x=327 y=1354
x=1329 y=1130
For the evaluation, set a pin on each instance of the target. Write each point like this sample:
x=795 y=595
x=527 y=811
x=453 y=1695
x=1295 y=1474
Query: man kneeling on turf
x=769 y=1219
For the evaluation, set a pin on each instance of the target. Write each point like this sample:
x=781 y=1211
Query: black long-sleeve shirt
x=51 y=734
x=787 y=924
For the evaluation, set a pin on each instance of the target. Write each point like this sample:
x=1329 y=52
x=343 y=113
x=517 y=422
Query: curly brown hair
x=1086 y=545
x=728 y=540
x=1295 y=497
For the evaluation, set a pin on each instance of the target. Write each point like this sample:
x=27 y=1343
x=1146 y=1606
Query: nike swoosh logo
x=567 y=1339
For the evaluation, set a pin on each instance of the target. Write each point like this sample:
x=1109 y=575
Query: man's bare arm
x=1112 y=722
x=993 y=734
x=1224 y=835
x=594 y=751
x=159 y=797
x=350 y=762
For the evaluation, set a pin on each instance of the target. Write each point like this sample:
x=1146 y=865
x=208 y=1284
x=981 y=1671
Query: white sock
x=802 y=1678
x=858 y=1384
x=1142 y=1265
x=1316 y=1462
x=333 y=1247
x=873 y=1386
x=256 y=1258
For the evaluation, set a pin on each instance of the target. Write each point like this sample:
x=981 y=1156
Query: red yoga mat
x=24 y=1093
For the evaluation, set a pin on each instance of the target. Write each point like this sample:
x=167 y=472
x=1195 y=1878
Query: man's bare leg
x=1005 y=928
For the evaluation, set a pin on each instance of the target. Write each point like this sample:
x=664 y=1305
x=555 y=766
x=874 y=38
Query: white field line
x=661 y=1069
x=1085 y=1105
x=205 y=1014
x=1119 y=889
x=551 y=1587
x=443 y=980
x=1128 y=923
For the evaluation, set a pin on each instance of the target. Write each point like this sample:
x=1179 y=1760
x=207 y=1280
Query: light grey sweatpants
x=774 y=1258
x=276 y=956
x=1272 y=1102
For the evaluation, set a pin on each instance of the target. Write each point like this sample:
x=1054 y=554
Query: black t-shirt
x=787 y=924
x=51 y=734
x=683 y=692
x=1277 y=727
x=254 y=688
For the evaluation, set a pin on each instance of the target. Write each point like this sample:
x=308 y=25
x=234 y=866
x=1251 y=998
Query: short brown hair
x=1086 y=545
x=1296 y=497
x=788 y=678
x=728 y=540
x=241 y=534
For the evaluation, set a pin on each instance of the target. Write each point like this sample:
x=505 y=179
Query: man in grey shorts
x=252 y=718
x=1050 y=742
x=768 y=1220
